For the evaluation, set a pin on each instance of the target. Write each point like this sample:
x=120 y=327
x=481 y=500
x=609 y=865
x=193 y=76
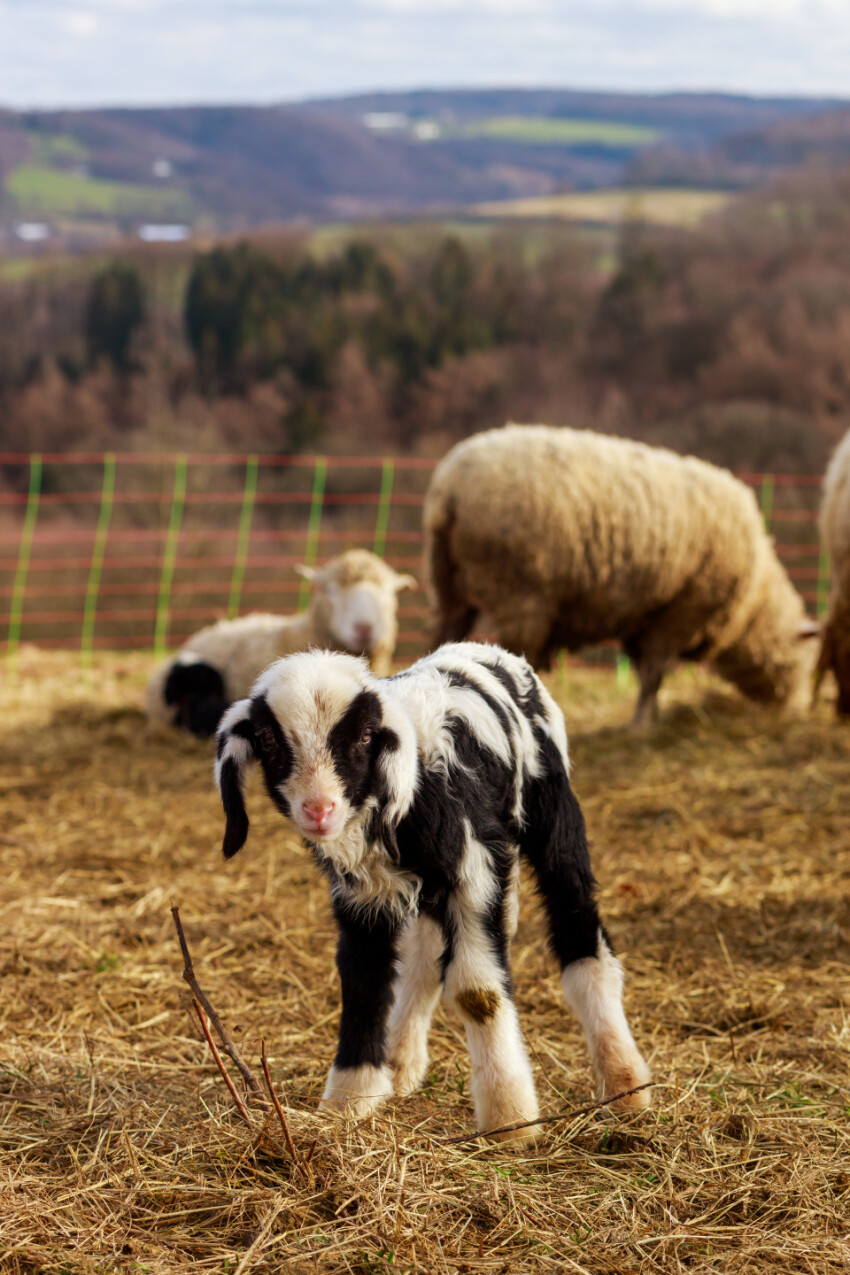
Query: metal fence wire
x=137 y=551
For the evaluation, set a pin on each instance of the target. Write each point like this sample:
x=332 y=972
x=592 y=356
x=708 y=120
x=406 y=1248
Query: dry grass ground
x=722 y=845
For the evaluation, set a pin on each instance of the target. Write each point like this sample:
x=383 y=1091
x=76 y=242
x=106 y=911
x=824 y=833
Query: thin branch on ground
x=252 y=1085
x=531 y=1124
x=240 y=1106
x=281 y=1115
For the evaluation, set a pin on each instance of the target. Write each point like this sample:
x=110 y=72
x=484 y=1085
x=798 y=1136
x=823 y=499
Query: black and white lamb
x=418 y=794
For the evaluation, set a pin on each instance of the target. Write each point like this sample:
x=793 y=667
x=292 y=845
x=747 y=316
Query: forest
x=730 y=340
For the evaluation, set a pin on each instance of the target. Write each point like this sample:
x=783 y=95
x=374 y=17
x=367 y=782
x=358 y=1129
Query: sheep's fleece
x=353 y=607
x=835 y=535
x=562 y=538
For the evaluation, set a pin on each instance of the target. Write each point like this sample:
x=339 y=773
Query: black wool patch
x=272 y=749
x=355 y=743
x=197 y=691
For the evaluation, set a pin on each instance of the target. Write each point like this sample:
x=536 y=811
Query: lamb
x=418 y=794
x=563 y=538
x=835 y=537
x=352 y=607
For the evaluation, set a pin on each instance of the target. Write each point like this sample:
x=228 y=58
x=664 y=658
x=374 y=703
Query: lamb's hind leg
x=591 y=977
x=478 y=983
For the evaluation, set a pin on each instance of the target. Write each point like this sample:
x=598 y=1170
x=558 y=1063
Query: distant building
x=385 y=121
x=164 y=232
x=426 y=130
x=162 y=168
x=31 y=231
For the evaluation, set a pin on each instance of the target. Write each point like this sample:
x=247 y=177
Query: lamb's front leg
x=421 y=944
x=360 y=1079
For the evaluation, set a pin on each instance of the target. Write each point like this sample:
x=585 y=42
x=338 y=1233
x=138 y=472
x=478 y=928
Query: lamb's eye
x=366 y=735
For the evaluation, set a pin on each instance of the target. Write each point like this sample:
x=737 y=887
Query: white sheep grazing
x=419 y=794
x=353 y=607
x=835 y=535
x=564 y=538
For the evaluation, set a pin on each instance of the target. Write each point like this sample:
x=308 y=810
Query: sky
x=162 y=52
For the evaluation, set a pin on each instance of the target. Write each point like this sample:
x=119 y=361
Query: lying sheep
x=835 y=536
x=563 y=538
x=418 y=794
x=352 y=608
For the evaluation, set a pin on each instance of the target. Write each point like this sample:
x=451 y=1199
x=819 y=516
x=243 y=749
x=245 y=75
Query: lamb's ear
x=235 y=752
x=308 y=573
x=403 y=582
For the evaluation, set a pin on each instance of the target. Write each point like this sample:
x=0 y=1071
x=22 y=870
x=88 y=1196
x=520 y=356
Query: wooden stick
x=530 y=1124
x=240 y=1106
x=281 y=1115
x=252 y=1085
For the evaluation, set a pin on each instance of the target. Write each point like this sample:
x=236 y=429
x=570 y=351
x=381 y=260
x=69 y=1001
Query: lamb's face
x=356 y=598
x=320 y=728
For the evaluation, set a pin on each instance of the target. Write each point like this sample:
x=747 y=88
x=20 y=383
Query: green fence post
x=384 y=503
x=98 y=554
x=624 y=672
x=824 y=571
x=241 y=560
x=766 y=501
x=19 y=588
x=169 y=560
x=316 y=506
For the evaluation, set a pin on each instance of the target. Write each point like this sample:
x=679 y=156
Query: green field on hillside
x=42 y=191
x=662 y=207
x=543 y=131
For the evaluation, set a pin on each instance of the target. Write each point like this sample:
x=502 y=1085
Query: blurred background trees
x=731 y=340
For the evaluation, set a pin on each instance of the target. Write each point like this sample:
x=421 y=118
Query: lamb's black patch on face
x=273 y=750
x=197 y=692
x=355 y=744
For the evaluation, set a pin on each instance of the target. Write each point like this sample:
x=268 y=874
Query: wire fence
x=137 y=550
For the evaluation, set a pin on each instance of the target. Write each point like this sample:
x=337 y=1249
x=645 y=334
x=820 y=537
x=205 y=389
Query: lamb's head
x=354 y=604
x=338 y=755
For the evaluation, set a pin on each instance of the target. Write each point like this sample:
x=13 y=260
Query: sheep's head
x=338 y=756
x=354 y=602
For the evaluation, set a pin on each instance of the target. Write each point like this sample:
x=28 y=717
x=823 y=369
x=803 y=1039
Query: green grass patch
x=46 y=150
x=42 y=191
x=543 y=131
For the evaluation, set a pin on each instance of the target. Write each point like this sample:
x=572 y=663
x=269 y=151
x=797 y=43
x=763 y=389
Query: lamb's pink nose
x=318 y=813
x=363 y=634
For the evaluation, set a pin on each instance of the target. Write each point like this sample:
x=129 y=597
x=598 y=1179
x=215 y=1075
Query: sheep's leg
x=591 y=977
x=420 y=948
x=650 y=665
x=477 y=981
x=360 y=1078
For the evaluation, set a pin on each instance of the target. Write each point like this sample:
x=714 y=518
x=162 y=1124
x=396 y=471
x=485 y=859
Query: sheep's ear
x=405 y=582
x=235 y=752
x=308 y=573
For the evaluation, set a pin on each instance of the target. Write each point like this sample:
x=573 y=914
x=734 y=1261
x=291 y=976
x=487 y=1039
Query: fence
x=134 y=550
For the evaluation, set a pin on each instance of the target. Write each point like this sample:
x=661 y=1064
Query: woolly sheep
x=352 y=608
x=562 y=538
x=835 y=536
x=418 y=795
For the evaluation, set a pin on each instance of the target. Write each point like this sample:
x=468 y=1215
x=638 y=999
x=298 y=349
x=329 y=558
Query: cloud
x=169 y=51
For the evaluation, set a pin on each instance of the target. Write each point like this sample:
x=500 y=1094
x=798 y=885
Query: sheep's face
x=330 y=747
x=355 y=599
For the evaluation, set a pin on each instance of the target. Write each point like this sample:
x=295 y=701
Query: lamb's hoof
x=356 y=1092
x=624 y=1079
